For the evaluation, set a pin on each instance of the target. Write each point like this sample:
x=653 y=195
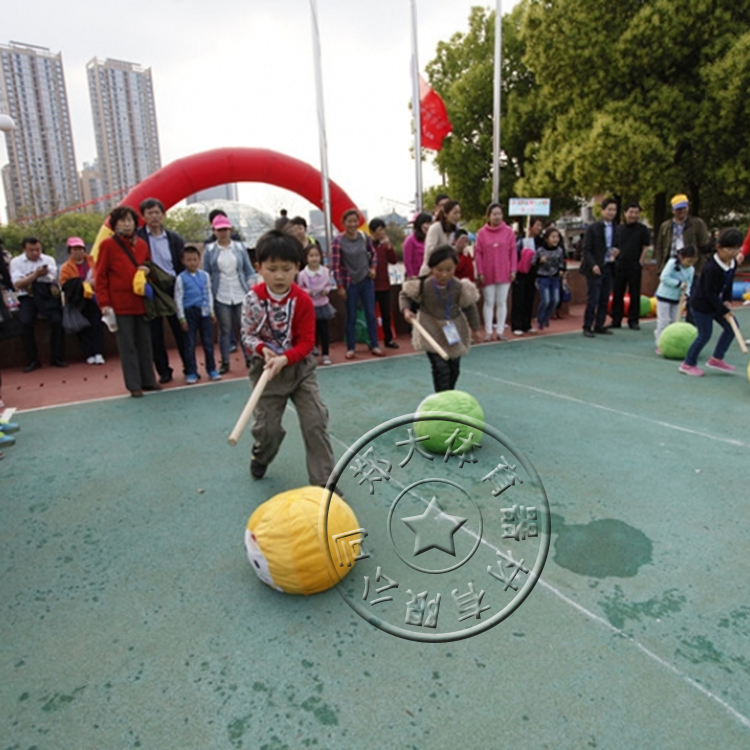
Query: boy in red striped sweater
x=278 y=333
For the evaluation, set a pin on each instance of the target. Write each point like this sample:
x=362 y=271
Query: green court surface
x=131 y=616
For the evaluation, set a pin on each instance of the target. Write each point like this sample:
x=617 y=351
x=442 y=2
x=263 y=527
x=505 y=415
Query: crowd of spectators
x=140 y=280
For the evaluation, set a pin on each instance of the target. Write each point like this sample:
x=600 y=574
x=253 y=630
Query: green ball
x=439 y=431
x=645 y=306
x=675 y=340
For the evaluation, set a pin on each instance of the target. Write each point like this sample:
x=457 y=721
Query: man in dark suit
x=597 y=265
x=166 y=251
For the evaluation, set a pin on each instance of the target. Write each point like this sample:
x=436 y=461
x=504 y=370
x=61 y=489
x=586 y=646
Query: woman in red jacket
x=120 y=256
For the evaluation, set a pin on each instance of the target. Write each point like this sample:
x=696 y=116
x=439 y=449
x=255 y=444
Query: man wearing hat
x=679 y=231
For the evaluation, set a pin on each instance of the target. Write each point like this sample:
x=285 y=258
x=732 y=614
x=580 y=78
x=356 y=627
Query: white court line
x=593 y=405
x=588 y=350
x=582 y=610
x=100 y=400
x=103 y=399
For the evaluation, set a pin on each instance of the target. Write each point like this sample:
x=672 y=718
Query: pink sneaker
x=658 y=351
x=720 y=364
x=691 y=370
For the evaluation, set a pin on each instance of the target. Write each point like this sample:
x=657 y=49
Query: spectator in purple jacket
x=414 y=245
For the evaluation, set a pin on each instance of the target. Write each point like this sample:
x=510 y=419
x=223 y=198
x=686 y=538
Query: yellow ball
x=283 y=544
x=653 y=305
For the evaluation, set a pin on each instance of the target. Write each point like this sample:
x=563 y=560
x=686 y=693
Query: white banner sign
x=529 y=207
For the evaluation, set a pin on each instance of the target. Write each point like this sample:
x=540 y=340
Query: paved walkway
x=81 y=382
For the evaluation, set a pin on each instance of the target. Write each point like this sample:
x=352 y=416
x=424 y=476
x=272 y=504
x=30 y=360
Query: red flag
x=435 y=122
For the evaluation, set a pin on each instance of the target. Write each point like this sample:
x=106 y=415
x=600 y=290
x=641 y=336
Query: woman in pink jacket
x=496 y=261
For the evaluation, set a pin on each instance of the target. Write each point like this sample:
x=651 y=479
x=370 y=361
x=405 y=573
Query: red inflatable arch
x=190 y=174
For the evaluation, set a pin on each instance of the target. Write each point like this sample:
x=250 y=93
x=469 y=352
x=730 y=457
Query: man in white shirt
x=34 y=276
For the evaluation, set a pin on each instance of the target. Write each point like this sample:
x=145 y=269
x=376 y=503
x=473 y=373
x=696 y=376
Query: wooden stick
x=737 y=334
x=431 y=341
x=247 y=412
x=681 y=308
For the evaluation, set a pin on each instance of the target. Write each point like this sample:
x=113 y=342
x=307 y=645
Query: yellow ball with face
x=284 y=544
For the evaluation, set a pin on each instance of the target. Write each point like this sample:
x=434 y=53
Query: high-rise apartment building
x=127 y=140
x=41 y=177
x=92 y=193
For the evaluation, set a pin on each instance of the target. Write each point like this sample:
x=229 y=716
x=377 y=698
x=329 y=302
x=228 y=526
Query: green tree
x=54 y=231
x=396 y=237
x=462 y=73
x=634 y=94
x=189 y=223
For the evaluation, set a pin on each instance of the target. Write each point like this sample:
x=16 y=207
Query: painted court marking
x=596 y=618
x=619 y=412
x=609 y=352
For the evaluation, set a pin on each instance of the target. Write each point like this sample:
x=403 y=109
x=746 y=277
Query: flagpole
x=416 y=109
x=496 y=108
x=321 y=127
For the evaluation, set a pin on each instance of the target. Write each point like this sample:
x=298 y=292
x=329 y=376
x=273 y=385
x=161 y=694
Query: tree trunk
x=660 y=211
x=695 y=199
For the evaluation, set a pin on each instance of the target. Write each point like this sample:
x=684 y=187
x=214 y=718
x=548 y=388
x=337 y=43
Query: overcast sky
x=240 y=73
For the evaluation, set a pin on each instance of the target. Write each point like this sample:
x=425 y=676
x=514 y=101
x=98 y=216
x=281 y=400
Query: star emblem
x=434 y=529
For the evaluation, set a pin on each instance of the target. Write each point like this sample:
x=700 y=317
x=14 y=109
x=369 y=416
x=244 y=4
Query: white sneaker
x=518 y=332
x=91 y=361
x=99 y=359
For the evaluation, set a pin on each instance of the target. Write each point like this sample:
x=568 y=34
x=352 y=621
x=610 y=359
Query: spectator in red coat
x=120 y=256
x=465 y=267
x=386 y=254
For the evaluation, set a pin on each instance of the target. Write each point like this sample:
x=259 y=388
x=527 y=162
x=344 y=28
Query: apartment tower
x=41 y=177
x=127 y=140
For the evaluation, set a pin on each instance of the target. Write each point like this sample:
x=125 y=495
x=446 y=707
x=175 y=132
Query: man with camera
x=34 y=276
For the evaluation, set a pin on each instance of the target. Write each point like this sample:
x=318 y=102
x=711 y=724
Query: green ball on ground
x=645 y=306
x=675 y=340
x=440 y=431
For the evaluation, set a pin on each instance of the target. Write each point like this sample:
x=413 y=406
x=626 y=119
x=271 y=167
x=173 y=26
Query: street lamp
x=6 y=124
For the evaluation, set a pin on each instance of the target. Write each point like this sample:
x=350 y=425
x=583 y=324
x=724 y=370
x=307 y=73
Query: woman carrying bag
x=228 y=264
x=77 y=282
x=120 y=273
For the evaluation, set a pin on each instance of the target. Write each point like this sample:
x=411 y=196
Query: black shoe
x=32 y=366
x=634 y=327
x=58 y=363
x=224 y=368
x=257 y=469
x=166 y=377
x=615 y=325
x=391 y=345
x=603 y=331
x=588 y=334
x=151 y=387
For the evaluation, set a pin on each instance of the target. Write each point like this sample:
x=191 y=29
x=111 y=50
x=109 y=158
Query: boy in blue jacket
x=707 y=303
